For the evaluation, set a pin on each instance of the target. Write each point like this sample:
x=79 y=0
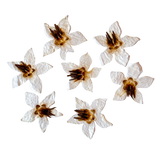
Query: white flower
x=115 y=45
x=88 y=115
x=130 y=85
x=29 y=71
x=40 y=110
x=61 y=38
x=80 y=73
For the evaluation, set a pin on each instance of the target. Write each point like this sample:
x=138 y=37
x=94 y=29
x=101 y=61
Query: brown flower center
x=59 y=35
x=41 y=111
x=113 y=41
x=130 y=87
x=27 y=70
x=85 y=115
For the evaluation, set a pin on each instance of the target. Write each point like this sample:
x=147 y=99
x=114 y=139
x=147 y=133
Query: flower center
x=85 y=115
x=41 y=111
x=27 y=70
x=113 y=41
x=59 y=35
x=130 y=87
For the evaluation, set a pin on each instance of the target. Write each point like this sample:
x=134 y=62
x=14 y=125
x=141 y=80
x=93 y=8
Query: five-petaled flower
x=80 y=73
x=29 y=71
x=61 y=38
x=130 y=84
x=40 y=110
x=115 y=45
x=88 y=115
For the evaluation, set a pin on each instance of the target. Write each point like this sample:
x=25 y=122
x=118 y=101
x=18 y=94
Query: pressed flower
x=62 y=38
x=80 y=73
x=42 y=110
x=88 y=115
x=115 y=45
x=129 y=86
x=29 y=71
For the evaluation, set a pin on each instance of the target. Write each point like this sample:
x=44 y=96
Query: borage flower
x=115 y=45
x=29 y=71
x=41 y=110
x=88 y=115
x=130 y=85
x=80 y=73
x=61 y=38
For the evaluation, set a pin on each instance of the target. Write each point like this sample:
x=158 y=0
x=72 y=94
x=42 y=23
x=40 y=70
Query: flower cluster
x=62 y=39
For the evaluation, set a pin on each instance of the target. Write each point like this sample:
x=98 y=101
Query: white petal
x=18 y=80
x=77 y=38
x=74 y=121
x=31 y=99
x=49 y=100
x=47 y=30
x=120 y=94
x=98 y=40
x=94 y=72
x=129 y=41
x=81 y=104
x=89 y=129
x=85 y=61
x=117 y=77
x=122 y=57
x=42 y=68
x=65 y=24
x=12 y=65
x=29 y=57
x=87 y=84
x=134 y=70
x=138 y=98
x=69 y=67
x=145 y=82
x=29 y=116
x=115 y=25
x=36 y=83
x=73 y=84
x=105 y=57
x=56 y=113
x=43 y=122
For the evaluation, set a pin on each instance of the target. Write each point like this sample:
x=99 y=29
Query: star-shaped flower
x=88 y=115
x=80 y=73
x=29 y=71
x=130 y=85
x=115 y=45
x=61 y=38
x=40 y=110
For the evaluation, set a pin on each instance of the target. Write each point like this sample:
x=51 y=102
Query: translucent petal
x=56 y=113
x=94 y=72
x=85 y=61
x=36 y=83
x=134 y=70
x=105 y=57
x=12 y=65
x=31 y=99
x=47 y=30
x=145 y=82
x=120 y=94
x=87 y=84
x=117 y=77
x=29 y=57
x=65 y=24
x=81 y=104
x=75 y=121
x=98 y=40
x=73 y=84
x=69 y=67
x=129 y=41
x=89 y=129
x=43 y=122
x=29 y=116
x=42 y=68
x=116 y=28
x=18 y=80
x=138 y=98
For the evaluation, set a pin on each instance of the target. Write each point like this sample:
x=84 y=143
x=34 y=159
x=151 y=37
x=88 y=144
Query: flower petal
x=85 y=61
x=47 y=30
x=81 y=104
x=105 y=57
x=117 y=77
x=134 y=70
x=31 y=99
x=69 y=67
x=18 y=80
x=56 y=113
x=12 y=65
x=73 y=84
x=65 y=24
x=94 y=72
x=74 y=121
x=29 y=57
x=120 y=94
x=115 y=25
x=138 y=98
x=29 y=116
x=87 y=84
x=77 y=38
x=89 y=129
x=42 y=68
x=42 y=124
x=129 y=41
x=98 y=40
x=36 y=83
x=145 y=82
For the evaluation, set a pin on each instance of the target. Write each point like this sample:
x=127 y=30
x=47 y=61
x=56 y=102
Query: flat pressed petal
x=120 y=94
x=81 y=104
x=36 y=83
x=85 y=61
x=89 y=129
x=42 y=68
x=115 y=25
x=18 y=80
x=65 y=24
x=69 y=67
x=42 y=124
x=74 y=121
x=98 y=40
x=129 y=41
x=117 y=77
x=134 y=70
x=145 y=82
x=105 y=57
x=29 y=116
x=56 y=113
x=29 y=57
x=77 y=38
x=31 y=99
x=122 y=57
x=12 y=65
x=49 y=100
x=94 y=72
x=87 y=84
x=138 y=98
x=47 y=30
